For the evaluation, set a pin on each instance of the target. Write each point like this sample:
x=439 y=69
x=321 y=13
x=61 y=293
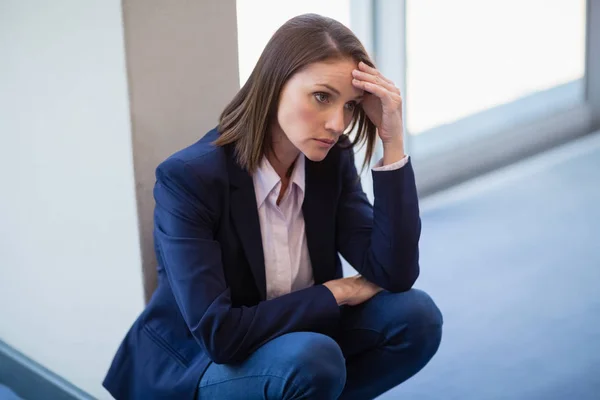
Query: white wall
x=90 y=102
x=70 y=267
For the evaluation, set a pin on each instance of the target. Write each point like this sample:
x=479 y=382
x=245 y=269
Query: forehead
x=337 y=73
x=333 y=68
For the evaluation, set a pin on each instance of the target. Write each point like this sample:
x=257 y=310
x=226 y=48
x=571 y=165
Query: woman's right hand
x=353 y=290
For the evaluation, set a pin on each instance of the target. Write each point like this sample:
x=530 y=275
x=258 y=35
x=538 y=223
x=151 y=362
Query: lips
x=326 y=141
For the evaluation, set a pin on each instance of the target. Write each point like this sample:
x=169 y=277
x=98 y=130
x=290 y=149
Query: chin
x=315 y=155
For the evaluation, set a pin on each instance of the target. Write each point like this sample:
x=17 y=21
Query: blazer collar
x=318 y=210
x=244 y=213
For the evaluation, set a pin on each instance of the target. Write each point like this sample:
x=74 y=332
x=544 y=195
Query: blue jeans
x=382 y=343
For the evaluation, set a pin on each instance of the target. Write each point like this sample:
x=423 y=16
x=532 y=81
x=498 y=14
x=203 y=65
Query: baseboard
x=31 y=381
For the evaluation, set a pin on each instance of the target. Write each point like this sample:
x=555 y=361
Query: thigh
x=386 y=317
x=296 y=365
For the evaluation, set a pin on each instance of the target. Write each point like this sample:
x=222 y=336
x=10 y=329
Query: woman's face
x=316 y=106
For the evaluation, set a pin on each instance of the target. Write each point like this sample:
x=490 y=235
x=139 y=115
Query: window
x=484 y=66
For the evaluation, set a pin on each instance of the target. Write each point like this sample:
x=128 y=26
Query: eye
x=351 y=106
x=321 y=97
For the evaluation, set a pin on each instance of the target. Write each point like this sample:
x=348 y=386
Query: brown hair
x=301 y=41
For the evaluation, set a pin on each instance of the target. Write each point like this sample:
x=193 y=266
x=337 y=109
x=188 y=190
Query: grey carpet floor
x=513 y=261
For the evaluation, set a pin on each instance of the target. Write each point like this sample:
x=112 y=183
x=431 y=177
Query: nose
x=336 y=123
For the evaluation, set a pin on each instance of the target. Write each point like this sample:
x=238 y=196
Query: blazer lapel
x=245 y=218
x=319 y=220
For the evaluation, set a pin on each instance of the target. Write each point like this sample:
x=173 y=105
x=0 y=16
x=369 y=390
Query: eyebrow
x=334 y=90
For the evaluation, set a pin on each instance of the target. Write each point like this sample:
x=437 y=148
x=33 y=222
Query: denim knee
x=425 y=322
x=420 y=310
x=318 y=365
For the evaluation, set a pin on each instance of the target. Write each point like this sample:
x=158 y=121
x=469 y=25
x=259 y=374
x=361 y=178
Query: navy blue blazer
x=210 y=305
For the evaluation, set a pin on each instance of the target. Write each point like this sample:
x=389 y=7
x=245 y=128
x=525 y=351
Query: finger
x=367 y=68
x=377 y=90
x=374 y=71
x=378 y=80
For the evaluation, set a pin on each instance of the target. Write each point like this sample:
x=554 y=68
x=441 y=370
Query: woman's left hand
x=382 y=102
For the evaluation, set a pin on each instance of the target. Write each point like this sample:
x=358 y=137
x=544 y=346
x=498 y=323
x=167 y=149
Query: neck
x=283 y=155
x=282 y=164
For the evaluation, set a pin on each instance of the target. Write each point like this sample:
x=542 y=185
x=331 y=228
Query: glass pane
x=487 y=64
x=257 y=21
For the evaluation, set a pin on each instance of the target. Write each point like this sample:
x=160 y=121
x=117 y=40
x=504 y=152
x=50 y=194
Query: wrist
x=393 y=151
x=338 y=292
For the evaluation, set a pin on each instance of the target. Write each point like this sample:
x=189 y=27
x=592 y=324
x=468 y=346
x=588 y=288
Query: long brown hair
x=301 y=41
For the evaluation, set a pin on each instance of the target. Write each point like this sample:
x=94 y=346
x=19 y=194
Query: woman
x=251 y=303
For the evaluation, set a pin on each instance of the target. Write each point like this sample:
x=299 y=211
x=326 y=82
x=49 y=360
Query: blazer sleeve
x=381 y=241
x=187 y=210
